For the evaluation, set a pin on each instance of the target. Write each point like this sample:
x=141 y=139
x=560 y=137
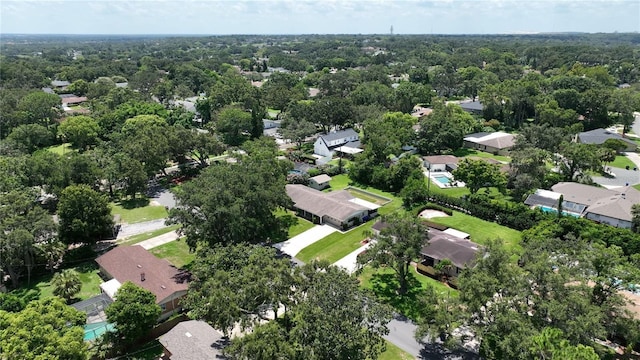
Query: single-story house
x=320 y=182
x=609 y=206
x=442 y=245
x=337 y=208
x=60 y=84
x=440 y=162
x=192 y=340
x=599 y=136
x=73 y=100
x=271 y=124
x=326 y=144
x=496 y=142
x=474 y=107
x=135 y=264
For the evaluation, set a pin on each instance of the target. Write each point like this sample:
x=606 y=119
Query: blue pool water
x=94 y=331
x=548 y=209
x=442 y=179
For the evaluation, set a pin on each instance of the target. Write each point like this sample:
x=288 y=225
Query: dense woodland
x=552 y=297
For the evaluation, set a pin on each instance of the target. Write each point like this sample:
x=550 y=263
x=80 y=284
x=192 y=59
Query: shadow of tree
x=134 y=203
x=385 y=286
x=435 y=351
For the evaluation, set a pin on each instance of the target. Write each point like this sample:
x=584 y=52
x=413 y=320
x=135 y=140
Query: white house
x=440 y=162
x=320 y=182
x=326 y=144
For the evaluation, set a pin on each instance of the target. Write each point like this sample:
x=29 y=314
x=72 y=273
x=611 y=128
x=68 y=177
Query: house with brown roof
x=496 y=142
x=337 y=208
x=608 y=206
x=192 y=340
x=135 y=264
x=442 y=245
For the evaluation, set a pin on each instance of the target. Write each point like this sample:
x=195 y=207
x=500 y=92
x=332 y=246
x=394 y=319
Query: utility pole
x=391 y=31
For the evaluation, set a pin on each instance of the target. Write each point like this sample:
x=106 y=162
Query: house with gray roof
x=336 y=208
x=599 y=136
x=326 y=144
x=474 y=107
x=192 y=340
x=442 y=245
x=60 y=84
x=608 y=206
x=320 y=182
x=496 y=142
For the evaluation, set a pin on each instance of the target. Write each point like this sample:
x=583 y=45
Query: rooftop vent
x=142 y=276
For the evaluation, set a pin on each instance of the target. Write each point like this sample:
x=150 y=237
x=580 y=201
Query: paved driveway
x=293 y=246
x=350 y=262
x=142 y=227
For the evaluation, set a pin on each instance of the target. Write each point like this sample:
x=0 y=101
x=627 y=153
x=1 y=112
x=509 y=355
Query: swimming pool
x=95 y=330
x=442 y=179
x=549 y=209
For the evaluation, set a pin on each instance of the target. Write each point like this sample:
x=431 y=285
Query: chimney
x=141 y=276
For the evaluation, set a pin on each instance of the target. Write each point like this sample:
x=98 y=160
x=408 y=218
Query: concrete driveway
x=294 y=245
x=350 y=262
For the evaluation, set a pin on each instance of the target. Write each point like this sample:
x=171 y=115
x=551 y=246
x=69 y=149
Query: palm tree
x=66 y=284
x=442 y=267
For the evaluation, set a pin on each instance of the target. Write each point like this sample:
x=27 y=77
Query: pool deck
x=433 y=176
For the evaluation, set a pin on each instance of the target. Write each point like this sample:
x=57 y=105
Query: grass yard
x=394 y=353
x=621 y=162
x=41 y=288
x=132 y=240
x=636 y=186
x=481 y=230
x=301 y=225
x=61 y=149
x=383 y=283
x=176 y=252
x=138 y=210
x=464 y=152
x=335 y=246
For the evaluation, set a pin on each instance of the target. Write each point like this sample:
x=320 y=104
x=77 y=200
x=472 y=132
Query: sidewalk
x=159 y=240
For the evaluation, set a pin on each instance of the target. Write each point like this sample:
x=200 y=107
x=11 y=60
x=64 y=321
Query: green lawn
x=384 y=284
x=464 y=152
x=61 y=149
x=138 y=210
x=637 y=186
x=481 y=230
x=301 y=225
x=41 y=288
x=176 y=252
x=621 y=162
x=394 y=353
x=132 y=240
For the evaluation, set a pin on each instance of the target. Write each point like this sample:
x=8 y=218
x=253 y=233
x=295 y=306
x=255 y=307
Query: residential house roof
x=48 y=90
x=193 y=340
x=335 y=204
x=472 y=106
x=60 y=83
x=442 y=246
x=338 y=135
x=129 y=263
x=614 y=203
x=498 y=139
x=322 y=178
x=441 y=159
x=599 y=136
x=74 y=99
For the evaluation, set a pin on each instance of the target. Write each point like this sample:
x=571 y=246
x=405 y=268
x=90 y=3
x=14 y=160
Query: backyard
x=61 y=149
x=176 y=252
x=481 y=230
x=464 y=152
x=41 y=288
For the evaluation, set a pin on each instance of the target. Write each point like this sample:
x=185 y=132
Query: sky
x=221 y=17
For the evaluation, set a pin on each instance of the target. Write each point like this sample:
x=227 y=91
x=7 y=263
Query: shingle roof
x=498 y=139
x=127 y=263
x=60 y=83
x=599 y=136
x=472 y=105
x=441 y=246
x=339 y=135
x=335 y=204
x=322 y=178
x=614 y=203
x=193 y=340
x=441 y=159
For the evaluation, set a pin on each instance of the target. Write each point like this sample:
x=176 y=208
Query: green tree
x=40 y=107
x=616 y=145
x=396 y=246
x=297 y=131
x=85 y=215
x=66 y=284
x=233 y=203
x=576 y=158
x=31 y=137
x=233 y=124
x=440 y=315
x=81 y=131
x=415 y=192
x=635 y=218
x=477 y=174
x=134 y=312
x=145 y=138
x=45 y=329
x=442 y=131
x=238 y=284
x=550 y=344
